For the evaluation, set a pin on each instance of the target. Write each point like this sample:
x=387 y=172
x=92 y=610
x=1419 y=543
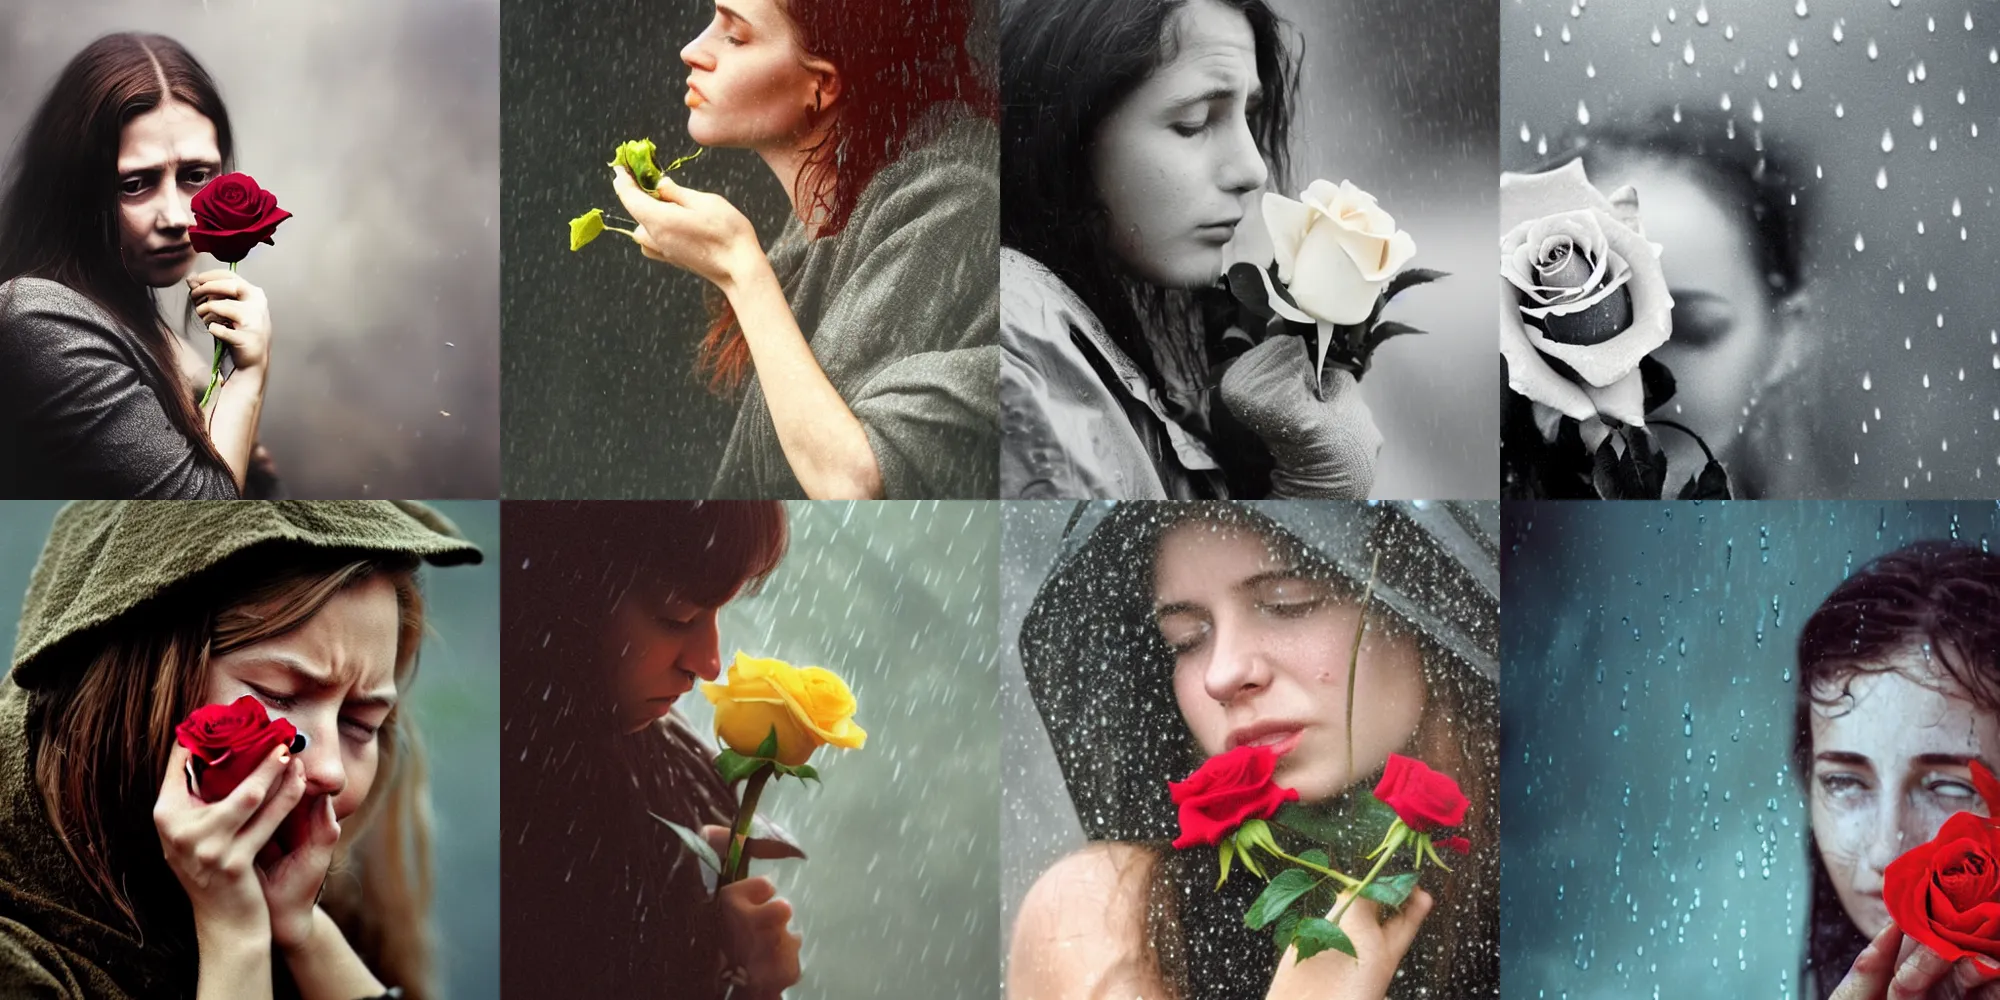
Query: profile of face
x=1261 y=655
x=1888 y=768
x=1175 y=162
x=1726 y=329
x=659 y=645
x=164 y=156
x=751 y=83
x=334 y=678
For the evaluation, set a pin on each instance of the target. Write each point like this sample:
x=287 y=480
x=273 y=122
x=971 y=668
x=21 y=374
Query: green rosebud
x=585 y=227
x=637 y=156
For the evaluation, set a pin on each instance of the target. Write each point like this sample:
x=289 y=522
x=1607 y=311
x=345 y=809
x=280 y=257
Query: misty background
x=1897 y=272
x=456 y=704
x=902 y=886
x=1656 y=836
x=375 y=124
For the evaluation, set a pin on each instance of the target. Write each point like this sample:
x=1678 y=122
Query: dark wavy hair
x=59 y=215
x=591 y=878
x=893 y=71
x=1066 y=65
x=1939 y=598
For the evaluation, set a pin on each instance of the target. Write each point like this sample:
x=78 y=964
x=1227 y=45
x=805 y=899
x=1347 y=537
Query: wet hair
x=1740 y=165
x=582 y=825
x=893 y=71
x=1065 y=66
x=59 y=213
x=1195 y=932
x=1938 y=599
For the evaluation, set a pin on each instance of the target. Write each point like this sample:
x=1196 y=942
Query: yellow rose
x=809 y=707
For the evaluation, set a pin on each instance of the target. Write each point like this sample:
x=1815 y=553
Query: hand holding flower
x=238 y=316
x=693 y=230
x=232 y=215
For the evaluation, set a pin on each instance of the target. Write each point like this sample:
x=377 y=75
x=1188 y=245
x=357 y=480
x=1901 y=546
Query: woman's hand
x=1323 y=448
x=292 y=879
x=692 y=230
x=237 y=314
x=1891 y=968
x=754 y=934
x=212 y=846
x=1381 y=945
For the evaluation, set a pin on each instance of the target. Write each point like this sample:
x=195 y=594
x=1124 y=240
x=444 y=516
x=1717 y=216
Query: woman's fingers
x=1869 y=977
x=631 y=195
x=227 y=334
x=1400 y=930
x=1918 y=973
x=217 y=284
x=290 y=788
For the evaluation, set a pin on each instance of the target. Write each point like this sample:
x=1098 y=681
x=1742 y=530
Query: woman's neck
x=788 y=164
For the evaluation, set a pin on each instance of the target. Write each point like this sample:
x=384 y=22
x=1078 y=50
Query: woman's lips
x=1281 y=740
x=173 y=252
x=694 y=98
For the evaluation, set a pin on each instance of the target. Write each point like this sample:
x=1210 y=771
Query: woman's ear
x=826 y=83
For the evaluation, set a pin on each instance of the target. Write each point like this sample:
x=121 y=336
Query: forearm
x=326 y=967
x=823 y=441
x=233 y=966
x=232 y=422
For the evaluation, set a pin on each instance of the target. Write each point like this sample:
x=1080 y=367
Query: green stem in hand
x=215 y=366
x=1395 y=840
x=1346 y=881
x=738 y=865
x=1354 y=660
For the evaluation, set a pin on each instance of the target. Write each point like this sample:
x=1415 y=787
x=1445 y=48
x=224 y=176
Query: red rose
x=1424 y=798
x=1458 y=844
x=230 y=741
x=1946 y=893
x=1224 y=792
x=231 y=215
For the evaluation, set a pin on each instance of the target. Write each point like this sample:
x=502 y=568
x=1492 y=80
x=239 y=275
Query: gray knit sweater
x=902 y=311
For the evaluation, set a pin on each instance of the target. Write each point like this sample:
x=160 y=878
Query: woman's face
x=164 y=157
x=335 y=679
x=1887 y=770
x=1725 y=329
x=659 y=645
x=1261 y=657
x=750 y=83
x=1174 y=162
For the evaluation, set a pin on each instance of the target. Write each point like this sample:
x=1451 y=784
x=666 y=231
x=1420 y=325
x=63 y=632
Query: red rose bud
x=231 y=215
x=1225 y=791
x=1424 y=798
x=228 y=742
x=1458 y=844
x=1946 y=893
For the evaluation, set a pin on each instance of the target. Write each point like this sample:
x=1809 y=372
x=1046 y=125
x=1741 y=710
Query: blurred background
x=902 y=887
x=1656 y=838
x=375 y=122
x=456 y=702
x=602 y=399
x=1884 y=117
x=1400 y=99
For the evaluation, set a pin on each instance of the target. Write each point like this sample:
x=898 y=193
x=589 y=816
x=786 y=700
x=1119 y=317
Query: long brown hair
x=59 y=215
x=103 y=729
x=892 y=71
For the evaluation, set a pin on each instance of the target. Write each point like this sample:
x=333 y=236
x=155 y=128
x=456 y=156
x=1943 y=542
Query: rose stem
x=1367 y=880
x=739 y=863
x=1689 y=433
x=1354 y=660
x=214 y=366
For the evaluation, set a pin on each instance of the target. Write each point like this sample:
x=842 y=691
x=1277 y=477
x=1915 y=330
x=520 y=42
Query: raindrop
x=1542 y=146
x=1656 y=34
x=1968 y=20
x=1917 y=116
x=1888 y=141
x=1872 y=51
x=1867 y=382
x=1930 y=23
x=1882 y=178
x=1930 y=281
x=1538 y=31
x=1961 y=95
x=1582 y=114
x=1526 y=136
x=1792 y=48
x=1590 y=70
x=1798 y=83
x=1729 y=32
x=1565 y=34
x=1933 y=144
x=1927 y=380
x=1772 y=80
x=1673 y=15
x=1800 y=8
x=1921 y=73
x=1993 y=54
x=1725 y=100
x=1756 y=110
x=1839 y=110
x=1839 y=33
x=1859 y=243
x=1687 y=53
x=1701 y=13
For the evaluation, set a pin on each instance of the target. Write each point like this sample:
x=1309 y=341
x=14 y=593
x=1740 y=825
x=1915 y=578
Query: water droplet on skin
x=1888 y=141
x=1687 y=53
x=1582 y=114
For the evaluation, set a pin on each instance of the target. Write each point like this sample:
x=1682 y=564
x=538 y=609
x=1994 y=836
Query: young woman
x=866 y=333
x=611 y=613
x=1171 y=632
x=119 y=880
x=98 y=395
x=1134 y=134
x=1899 y=691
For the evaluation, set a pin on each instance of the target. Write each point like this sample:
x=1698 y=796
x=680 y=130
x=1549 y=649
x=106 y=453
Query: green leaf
x=694 y=841
x=1249 y=290
x=1318 y=934
x=1282 y=931
x=803 y=772
x=769 y=748
x=1658 y=382
x=1285 y=888
x=1712 y=484
x=637 y=156
x=735 y=767
x=1393 y=890
x=1228 y=847
x=1410 y=279
x=1316 y=857
x=584 y=228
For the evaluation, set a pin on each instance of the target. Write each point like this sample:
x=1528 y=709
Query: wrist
x=227 y=942
x=292 y=946
x=744 y=269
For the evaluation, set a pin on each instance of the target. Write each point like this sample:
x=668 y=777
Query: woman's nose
x=1242 y=169
x=176 y=209
x=695 y=54
x=1235 y=664
x=1894 y=829
x=326 y=773
x=701 y=655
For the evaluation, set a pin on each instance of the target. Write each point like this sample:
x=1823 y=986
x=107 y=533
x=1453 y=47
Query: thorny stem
x=1346 y=880
x=215 y=365
x=1369 y=880
x=1354 y=660
x=1697 y=438
x=739 y=862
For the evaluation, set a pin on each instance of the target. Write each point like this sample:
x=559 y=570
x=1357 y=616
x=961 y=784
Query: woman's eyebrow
x=1845 y=757
x=323 y=679
x=1945 y=759
x=730 y=13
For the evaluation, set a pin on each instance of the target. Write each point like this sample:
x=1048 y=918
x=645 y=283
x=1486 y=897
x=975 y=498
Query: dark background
x=456 y=700
x=373 y=121
x=1941 y=439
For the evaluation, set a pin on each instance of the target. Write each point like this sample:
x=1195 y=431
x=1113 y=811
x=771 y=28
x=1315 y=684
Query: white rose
x=1576 y=260
x=1335 y=248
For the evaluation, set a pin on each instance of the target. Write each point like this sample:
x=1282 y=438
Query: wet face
x=164 y=157
x=1174 y=163
x=750 y=83
x=1725 y=329
x=1887 y=769
x=659 y=645
x=1261 y=655
x=335 y=679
